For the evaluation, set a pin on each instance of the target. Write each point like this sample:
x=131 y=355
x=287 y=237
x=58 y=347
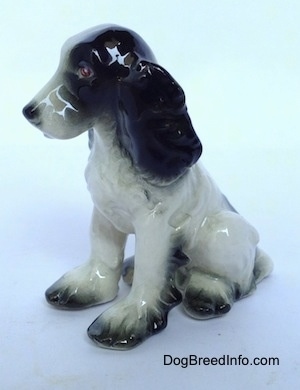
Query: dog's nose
x=31 y=113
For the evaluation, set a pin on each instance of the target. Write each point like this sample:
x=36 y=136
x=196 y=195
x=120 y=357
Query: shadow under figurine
x=191 y=245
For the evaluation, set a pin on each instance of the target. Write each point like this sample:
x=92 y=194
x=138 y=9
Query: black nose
x=31 y=113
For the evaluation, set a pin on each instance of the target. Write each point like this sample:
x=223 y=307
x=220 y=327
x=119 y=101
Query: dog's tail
x=263 y=265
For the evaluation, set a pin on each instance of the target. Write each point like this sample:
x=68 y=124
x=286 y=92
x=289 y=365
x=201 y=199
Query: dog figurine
x=191 y=244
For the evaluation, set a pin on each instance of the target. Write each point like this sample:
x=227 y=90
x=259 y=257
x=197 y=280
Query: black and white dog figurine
x=191 y=245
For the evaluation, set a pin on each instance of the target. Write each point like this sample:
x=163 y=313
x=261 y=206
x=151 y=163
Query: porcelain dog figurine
x=191 y=245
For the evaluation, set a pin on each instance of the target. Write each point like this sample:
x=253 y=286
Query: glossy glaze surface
x=191 y=245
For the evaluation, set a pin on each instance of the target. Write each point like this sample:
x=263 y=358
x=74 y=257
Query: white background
x=238 y=62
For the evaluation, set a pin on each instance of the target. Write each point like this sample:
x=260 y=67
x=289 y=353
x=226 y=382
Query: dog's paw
x=83 y=287
x=126 y=324
x=206 y=296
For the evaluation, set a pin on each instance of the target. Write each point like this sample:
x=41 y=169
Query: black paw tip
x=204 y=308
x=53 y=297
x=63 y=300
x=100 y=335
x=223 y=308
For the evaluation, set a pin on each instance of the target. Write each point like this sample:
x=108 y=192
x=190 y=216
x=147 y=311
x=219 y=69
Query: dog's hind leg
x=206 y=295
x=225 y=266
x=97 y=280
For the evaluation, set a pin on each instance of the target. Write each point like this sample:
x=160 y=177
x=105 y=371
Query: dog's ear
x=154 y=125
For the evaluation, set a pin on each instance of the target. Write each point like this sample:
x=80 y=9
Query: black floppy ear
x=154 y=125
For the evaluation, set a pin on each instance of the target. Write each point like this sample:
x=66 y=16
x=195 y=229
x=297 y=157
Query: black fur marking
x=91 y=138
x=154 y=126
x=128 y=270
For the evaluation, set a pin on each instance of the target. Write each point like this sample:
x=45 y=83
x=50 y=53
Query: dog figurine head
x=109 y=76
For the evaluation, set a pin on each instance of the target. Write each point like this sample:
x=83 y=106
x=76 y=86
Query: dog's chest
x=115 y=189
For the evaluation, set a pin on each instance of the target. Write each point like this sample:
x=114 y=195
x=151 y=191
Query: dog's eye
x=85 y=72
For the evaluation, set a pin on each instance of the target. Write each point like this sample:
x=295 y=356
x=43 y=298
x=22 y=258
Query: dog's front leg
x=97 y=280
x=144 y=311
